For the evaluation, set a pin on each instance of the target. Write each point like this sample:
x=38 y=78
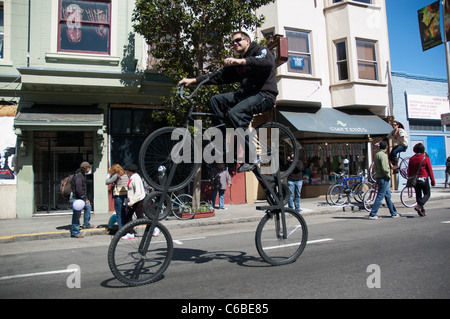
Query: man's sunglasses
x=237 y=40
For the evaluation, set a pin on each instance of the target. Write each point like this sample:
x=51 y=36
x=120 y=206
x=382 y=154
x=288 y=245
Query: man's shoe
x=245 y=167
x=374 y=217
x=77 y=236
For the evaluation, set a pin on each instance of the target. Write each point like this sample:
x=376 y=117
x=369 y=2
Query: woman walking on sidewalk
x=420 y=164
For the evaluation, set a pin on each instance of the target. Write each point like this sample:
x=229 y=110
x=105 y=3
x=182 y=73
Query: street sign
x=445 y=119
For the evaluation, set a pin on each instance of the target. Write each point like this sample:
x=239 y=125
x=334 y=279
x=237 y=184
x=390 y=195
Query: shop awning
x=332 y=121
x=70 y=118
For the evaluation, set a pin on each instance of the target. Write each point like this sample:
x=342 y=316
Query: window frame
x=341 y=61
x=62 y=21
x=306 y=55
x=362 y=61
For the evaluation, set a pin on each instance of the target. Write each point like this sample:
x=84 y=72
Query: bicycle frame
x=275 y=199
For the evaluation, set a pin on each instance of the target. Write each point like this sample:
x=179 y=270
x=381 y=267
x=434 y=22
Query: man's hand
x=187 y=81
x=233 y=61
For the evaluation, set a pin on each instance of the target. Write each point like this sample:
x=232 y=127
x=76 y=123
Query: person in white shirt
x=136 y=194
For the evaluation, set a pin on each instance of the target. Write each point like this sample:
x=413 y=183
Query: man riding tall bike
x=255 y=71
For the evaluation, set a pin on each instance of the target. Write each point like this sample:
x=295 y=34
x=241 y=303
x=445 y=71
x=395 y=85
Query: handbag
x=412 y=180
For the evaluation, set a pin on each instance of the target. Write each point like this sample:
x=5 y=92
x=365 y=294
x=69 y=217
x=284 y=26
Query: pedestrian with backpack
x=79 y=190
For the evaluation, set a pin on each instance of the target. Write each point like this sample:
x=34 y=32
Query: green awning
x=332 y=121
x=68 y=117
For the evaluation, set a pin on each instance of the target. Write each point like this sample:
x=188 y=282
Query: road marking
x=446 y=222
x=319 y=240
x=296 y=244
x=44 y=273
x=180 y=241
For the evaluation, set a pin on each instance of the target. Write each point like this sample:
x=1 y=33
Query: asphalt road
x=348 y=256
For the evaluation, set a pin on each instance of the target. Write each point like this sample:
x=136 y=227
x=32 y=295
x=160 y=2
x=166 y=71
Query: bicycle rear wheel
x=273 y=246
x=369 y=199
x=132 y=266
x=408 y=196
x=156 y=158
x=275 y=143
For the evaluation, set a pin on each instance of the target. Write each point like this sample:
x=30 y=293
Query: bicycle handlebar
x=209 y=76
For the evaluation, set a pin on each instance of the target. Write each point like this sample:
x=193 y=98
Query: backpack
x=66 y=187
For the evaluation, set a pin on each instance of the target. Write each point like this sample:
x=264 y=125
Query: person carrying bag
x=421 y=165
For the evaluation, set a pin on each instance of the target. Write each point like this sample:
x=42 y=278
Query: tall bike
x=402 y=167
x=168 y=162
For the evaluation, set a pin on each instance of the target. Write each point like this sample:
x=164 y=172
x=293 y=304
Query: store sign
x=343 y=127
x=426 y=107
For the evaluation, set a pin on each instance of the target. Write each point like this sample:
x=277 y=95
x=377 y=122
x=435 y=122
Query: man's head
x=130 y=169
x=383 y=145
x=240 y=42
x=85 y=167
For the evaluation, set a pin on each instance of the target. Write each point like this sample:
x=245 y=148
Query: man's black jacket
x=258 y=75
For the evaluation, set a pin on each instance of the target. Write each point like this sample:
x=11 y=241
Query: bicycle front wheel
x=403 y=167
x=337 y=195
x=127 y=260
x=408 y=196
x=360 y=190
x=165 y=150
x=369 y=199
x=273 y=245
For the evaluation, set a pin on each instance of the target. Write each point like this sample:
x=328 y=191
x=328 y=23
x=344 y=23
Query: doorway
x=58 y=154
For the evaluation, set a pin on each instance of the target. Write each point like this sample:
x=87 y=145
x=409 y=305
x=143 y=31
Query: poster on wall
x=7 y=150
x=426 y=107
x=430 y=26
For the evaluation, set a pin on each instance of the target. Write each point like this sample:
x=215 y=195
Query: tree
x=191 y=37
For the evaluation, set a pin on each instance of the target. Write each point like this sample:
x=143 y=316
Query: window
x=128 y=129
x=341 y=57
x=299 y=60
x=367 y=60
x=84 y=26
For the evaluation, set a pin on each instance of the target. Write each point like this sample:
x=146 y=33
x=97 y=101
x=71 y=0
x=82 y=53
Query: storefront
x=327 y=137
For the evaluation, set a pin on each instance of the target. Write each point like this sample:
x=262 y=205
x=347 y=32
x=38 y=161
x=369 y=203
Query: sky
x=404 y=41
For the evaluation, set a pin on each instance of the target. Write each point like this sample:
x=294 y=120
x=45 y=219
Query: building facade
x=334 y=87
x=78 y=77
x=419 y=102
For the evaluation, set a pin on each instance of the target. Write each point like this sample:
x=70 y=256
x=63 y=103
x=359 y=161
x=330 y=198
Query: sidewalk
x=56 y=227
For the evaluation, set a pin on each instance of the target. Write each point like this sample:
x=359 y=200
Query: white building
x=334 y=88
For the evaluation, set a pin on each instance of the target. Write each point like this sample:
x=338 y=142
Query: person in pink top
x=424 y=174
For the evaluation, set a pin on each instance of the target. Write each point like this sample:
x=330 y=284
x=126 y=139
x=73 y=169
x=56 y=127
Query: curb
x=50 y=235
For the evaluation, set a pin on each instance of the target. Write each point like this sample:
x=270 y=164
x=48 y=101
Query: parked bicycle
x=347 y=188
x=281 y=234
x=181 y=206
